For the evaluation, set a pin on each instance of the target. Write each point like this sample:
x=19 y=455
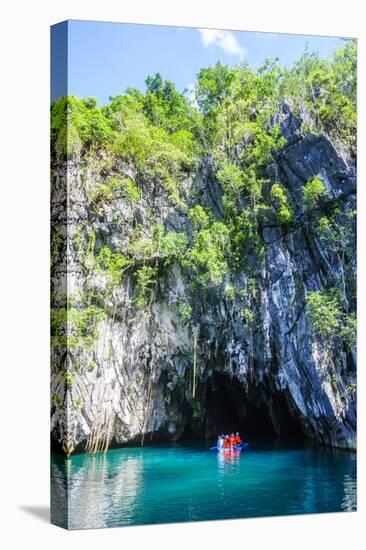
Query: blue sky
x=106 y=58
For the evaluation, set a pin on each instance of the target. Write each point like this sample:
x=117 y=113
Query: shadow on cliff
x=255 y=416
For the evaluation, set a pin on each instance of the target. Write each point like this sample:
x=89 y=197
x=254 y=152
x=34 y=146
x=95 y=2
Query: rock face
x=149 y=374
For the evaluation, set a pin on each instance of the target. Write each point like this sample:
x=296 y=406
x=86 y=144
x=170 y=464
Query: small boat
x=239 y=447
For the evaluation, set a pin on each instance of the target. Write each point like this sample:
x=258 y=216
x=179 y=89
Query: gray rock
x=140 y=387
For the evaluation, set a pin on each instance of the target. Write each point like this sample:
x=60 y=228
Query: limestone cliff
x=197 y=359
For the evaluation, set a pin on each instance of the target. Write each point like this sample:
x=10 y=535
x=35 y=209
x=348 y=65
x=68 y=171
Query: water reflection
x=349 y=502
x=96 y=488
x=228 y=456
x=190 y=483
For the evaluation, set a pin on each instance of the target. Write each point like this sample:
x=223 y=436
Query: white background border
x=24 y=212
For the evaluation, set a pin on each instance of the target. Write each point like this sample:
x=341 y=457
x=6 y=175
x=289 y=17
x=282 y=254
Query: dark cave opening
x=228 y=408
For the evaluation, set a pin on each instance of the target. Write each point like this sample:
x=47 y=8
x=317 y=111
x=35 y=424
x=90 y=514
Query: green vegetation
x=160 y=135
x=232 y=180
x=154 y=132
x=161 y=132
x=111 y=263
x=337 y=232
x=68 y=378
x=77 y=124
x=324 y=224
x=283 y=209
x=351 y=388
x=248 y=315
x=117 y=187
x=145 y=280
x=185 y=312
x=75 y=328
x=198 y=217
x=183 y=211
x=171 y=245
x=78 y=402
x=324 y=312
x=163 y=246
x=328 y=318
x=59 y=402
x=207 y=258
x=327 y=89
x=312 y=191
x=229 y=293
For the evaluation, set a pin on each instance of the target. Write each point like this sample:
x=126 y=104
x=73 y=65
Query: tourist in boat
x=227 y=443
x=237 y=439
x=220 y=442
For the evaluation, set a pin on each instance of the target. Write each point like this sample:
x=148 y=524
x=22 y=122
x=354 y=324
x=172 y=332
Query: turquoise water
x=187 y=482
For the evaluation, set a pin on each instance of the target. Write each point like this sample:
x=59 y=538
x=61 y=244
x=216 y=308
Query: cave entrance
x=228 y=409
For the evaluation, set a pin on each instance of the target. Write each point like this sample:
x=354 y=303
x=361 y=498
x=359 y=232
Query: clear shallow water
x=187 y=482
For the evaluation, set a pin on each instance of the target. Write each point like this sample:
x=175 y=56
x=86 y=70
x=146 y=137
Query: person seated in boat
x=237 y=439
x=220 y=442
x=227 y=443
x=232 y=439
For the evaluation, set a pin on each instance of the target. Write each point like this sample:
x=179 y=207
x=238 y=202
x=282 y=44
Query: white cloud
x=225 y=40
